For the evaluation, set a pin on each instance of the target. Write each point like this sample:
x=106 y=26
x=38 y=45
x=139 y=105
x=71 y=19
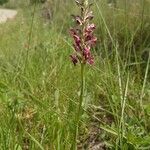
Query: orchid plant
x=84 y=40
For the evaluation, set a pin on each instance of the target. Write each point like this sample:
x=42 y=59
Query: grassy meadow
x=40 y=87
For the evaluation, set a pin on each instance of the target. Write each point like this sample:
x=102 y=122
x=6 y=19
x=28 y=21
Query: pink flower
x=86 y=52
x=91 y=40
x=91 y=60
x=75 y=36
x=78 y=19
x=74 y=59
x=87 y=55
x=83 y=36
x=90 y=28
x=77 y=47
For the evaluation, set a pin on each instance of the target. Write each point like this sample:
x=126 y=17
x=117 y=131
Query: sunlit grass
x=39 y=87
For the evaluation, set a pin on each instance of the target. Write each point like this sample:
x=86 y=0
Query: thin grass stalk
x=30 y=36
x=142 y=21
x=122 y=121
x=143 y=88
x=118 y=63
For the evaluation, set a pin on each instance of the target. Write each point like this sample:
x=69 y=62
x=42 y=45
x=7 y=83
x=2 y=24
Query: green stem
x=79 y=106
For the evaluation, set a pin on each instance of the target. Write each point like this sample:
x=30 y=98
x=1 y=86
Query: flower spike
x=83 y=34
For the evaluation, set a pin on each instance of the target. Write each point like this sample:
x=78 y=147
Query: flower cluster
x=83 y=35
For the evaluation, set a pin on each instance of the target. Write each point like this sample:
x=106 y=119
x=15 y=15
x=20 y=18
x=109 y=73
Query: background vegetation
x=39 y=87
x=3 y=1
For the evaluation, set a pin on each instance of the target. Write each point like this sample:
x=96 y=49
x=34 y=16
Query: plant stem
x=78 y=114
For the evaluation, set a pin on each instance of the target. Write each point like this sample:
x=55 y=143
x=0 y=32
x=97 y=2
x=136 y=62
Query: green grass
x=39 y=87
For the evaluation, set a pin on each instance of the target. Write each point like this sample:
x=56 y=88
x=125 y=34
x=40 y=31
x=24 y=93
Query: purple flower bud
x=91 y=40
x=91 y=60
x=77 y=39
x=77 y=47
x=78 y=19
x=87 y=55
x=90 y=28
x=73 y=32
x=74 y=59
x=86 y=52
x=75 y=36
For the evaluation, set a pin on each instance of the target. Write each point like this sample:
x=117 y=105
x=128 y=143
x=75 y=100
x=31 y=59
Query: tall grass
x=38 y=103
